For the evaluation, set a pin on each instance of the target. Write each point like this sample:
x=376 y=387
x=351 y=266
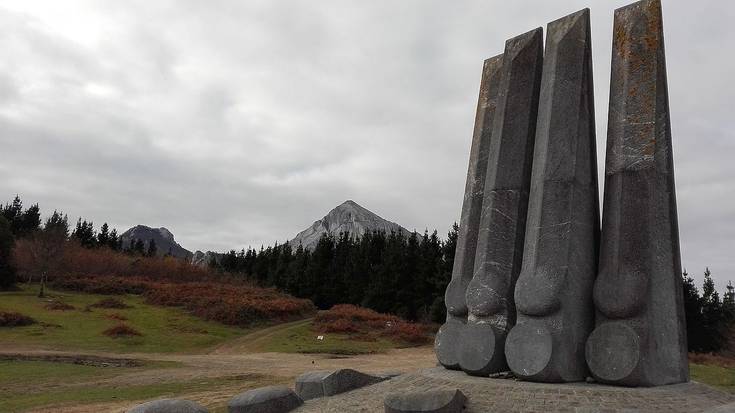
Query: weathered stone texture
x=315 y=384
x=433 y=401
x=505 y=200
x=446 y=342
x=553 y=295
x=640 y=338
x=169 y=406
x=272 y=399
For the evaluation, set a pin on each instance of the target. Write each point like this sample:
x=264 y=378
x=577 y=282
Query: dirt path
x=228 y=361
x=253 y=341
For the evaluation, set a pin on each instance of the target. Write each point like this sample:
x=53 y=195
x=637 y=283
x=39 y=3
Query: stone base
x=507 y=395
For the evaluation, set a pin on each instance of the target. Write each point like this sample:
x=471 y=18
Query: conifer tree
x=7 y=269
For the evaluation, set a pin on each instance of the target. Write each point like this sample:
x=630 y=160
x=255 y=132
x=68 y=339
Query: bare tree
x=46 y=252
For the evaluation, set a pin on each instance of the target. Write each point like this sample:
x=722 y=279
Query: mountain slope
x=165 y=242
x=347 y=217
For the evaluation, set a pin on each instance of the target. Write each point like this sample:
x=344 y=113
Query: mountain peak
x=347 y=217
x=165 y=242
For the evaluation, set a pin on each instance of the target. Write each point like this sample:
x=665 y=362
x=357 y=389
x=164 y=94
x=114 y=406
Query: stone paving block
x=169 y=406
x=272 y=399
x=432 y=401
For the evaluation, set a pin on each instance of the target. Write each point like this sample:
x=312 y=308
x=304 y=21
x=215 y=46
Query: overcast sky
x=237 y=123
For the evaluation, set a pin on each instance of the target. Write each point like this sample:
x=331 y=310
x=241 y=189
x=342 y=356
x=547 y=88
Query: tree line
x=398 y=273
x=402 y=274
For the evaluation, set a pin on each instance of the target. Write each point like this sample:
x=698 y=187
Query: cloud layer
x=240 y=123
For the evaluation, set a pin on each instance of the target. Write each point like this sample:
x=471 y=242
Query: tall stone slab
x=446 y=343
x=505 y=202
x=640 y=336
x=553 y=294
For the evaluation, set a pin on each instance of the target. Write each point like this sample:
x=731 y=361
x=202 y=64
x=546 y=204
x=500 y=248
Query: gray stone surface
x=315 y=384
x=727 y=408
x=553 y=295
x=446 y=343
x=272 y=399
x=435 y=401
x=487 y=395
x=499 y=250
x=168 y=406
x=640 y=337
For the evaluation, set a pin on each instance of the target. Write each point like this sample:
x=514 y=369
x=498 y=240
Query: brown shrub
x=117 y=316
x=110 y=303
x=367 y=324
x=712 y=359
x=12 y=319
x=121 y=330
x=59 y=306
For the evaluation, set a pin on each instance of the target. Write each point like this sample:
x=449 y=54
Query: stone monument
x=640 y=334
x=553 y=295
x=447 y=339
x=498 y=256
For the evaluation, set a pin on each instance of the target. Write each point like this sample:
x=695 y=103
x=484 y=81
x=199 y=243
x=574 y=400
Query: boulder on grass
x=272 y=399
x=315 y=384
x=169 y=406
x=437 y=401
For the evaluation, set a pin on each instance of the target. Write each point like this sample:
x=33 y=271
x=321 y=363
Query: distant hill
x=347 y=217
x=165 y=242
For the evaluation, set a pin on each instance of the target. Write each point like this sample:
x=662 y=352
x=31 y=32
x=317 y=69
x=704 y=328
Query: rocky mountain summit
x=347 y=217
x=203 y=259
x=165 y=242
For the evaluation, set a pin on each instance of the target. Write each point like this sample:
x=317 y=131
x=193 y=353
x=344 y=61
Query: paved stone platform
x=505 y=395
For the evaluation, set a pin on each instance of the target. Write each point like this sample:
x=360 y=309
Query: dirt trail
x=231 y=360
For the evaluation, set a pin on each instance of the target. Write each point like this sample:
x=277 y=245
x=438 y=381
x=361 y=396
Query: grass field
x=721 y=377
x=298 y=337
x=163 y=329
x=28 y=384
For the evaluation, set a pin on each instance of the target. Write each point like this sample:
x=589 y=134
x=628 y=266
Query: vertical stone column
x=553 y=294
x=505 y=202
x=446 y=343
x=640 y=337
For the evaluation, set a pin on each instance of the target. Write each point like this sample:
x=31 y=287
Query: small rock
x=273 y=399
x=168 y=406
x=437 y=401
x=315 y=384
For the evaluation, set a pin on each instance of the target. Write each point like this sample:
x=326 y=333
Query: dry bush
x=12 y=319
x=117 y=316
x=712 y=359
x=169 y=282
x=110 y=303
x=59 y=306
x=366 y=324
x=121 y=330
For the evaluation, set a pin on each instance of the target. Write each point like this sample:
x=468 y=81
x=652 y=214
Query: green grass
x=720 y=377
x=30 y=384
x=300 y=338
x=163 y=329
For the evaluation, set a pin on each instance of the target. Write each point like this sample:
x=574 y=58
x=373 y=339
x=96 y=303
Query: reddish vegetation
x=712 y=359
x=15 y=319
x=366 y=323
x=110 y=303
x=59 y=306
x=116 y=316
x=169 y=282
x=121 y=330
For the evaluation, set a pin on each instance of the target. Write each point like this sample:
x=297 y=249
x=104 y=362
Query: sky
x=239 y=123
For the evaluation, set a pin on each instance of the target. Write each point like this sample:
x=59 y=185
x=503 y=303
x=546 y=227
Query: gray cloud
x=239 y=123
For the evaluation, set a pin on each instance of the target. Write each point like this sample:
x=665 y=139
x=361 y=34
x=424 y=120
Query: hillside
x=164 y=239
x=347 y=217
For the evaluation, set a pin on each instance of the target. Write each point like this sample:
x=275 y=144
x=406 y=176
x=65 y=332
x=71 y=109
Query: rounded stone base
x=528 y=349
x=447 y=344
x=613 y=352
x=481 y=351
